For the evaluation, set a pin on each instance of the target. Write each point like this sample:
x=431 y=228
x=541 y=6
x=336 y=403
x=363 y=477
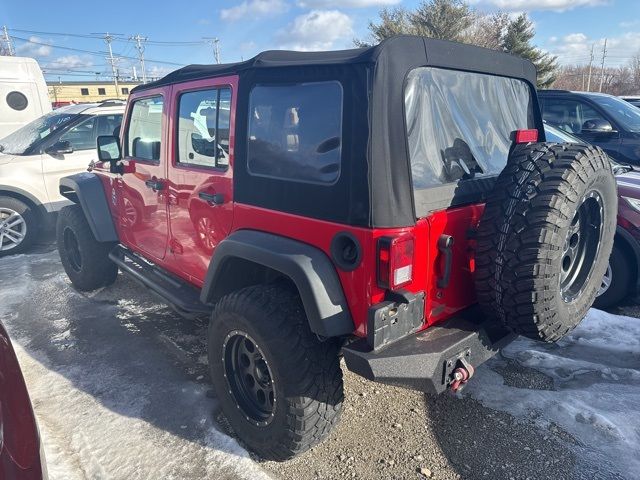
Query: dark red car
x=21 y=455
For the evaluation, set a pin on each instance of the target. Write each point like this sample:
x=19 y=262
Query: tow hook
x=461 y=376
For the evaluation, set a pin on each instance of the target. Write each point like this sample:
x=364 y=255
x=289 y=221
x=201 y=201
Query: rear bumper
x=425 y=361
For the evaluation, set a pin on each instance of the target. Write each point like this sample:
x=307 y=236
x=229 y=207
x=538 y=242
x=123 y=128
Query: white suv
x=35 y=157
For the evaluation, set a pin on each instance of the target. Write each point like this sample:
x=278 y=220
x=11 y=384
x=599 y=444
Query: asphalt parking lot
x=120 y=387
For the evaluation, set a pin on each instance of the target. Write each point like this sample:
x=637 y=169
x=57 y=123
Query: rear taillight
x=526 y=136
x=395 y=261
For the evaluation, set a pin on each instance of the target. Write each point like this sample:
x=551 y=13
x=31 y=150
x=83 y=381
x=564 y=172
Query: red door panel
x=142 y=202
x=200 y=179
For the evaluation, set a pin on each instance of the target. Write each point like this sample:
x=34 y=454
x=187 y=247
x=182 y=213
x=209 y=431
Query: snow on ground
x=114 y=397
x=596 y=396
x=119 y=383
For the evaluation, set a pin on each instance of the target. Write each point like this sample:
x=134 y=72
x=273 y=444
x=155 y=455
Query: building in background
x=65 y=93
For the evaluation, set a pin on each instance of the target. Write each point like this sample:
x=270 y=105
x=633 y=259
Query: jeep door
x=142 y=205
x=200 y=175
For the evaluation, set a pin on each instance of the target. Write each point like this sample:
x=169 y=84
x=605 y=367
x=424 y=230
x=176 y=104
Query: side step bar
x=181 y=296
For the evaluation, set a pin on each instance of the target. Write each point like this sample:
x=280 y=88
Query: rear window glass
x=145 y=129
x=295 y=132
x=460 y=124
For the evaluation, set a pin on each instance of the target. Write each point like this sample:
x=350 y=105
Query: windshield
x=622 y=112
x=19 y=141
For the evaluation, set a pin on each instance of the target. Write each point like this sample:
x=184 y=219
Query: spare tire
x=545 y=238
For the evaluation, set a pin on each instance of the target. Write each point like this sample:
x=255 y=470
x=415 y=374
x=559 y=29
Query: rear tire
x=545 y=238
x=263 y=333
x=18 y=226
x=85 y=260
x=619 y=277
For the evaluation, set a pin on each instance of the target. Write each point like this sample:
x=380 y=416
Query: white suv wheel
x=13 y=229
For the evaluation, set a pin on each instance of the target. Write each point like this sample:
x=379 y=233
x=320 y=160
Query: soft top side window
x=144 y=131
x=295 y=132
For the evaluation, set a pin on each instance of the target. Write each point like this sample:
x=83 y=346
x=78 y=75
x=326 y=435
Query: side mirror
x=109 y=151
x=61 y=147
x=597 y=125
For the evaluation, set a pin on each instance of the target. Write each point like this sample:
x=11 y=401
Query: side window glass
x=82 y=136
x=295 y=132
x=562 y=114
x=144 y=132
x=109 y=125
x=203 y=128
x=588 y=113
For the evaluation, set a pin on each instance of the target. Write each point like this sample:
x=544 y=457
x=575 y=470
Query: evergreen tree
x=443 y=19
x=517 y=41
x=393 y=21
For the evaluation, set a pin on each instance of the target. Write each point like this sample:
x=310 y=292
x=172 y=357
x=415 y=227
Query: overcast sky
x=61 y=33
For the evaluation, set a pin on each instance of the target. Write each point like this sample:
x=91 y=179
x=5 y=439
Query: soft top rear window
x=460 y=124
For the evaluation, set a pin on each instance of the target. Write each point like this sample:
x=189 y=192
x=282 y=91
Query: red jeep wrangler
x=396 y=205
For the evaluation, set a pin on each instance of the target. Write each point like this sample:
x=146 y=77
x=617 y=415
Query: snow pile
x=596 y=397
x=112 y=401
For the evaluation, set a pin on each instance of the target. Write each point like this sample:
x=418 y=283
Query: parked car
x=23 y=93
x=603 y=120
x=622 y=276
x=35 y=157
x=21 y=453
x=635 y=100
x=355 y=201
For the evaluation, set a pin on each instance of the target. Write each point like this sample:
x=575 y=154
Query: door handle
x=212 y=198
x=154 y=184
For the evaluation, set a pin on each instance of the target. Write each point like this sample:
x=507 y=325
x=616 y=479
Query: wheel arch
x=86 y=190
x=626 y=241
x=249 y=257
x=24 y=196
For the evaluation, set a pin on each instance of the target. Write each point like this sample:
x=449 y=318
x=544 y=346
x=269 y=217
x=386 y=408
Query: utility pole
x=140 y=47
x=215 y=43
x=590 y=63
x=7 y=40
x=108 y=38
x=604 y=54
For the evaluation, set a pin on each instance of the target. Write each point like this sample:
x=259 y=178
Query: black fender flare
x=634 y=247
x=308 y=268
x=86 y=190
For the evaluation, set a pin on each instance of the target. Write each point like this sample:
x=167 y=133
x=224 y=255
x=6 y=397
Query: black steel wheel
x=249 y=377
x=581 y=246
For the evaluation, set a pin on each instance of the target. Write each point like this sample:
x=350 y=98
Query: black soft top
x=438 y=53
x=375 y=187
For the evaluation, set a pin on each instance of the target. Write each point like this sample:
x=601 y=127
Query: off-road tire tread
x=97 y=269
x=311 y=371
x=518 y=242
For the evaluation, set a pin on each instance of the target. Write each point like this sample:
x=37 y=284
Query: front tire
x=616 y=282
x=18 y=226
x=85 y=260
x=280 y=388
